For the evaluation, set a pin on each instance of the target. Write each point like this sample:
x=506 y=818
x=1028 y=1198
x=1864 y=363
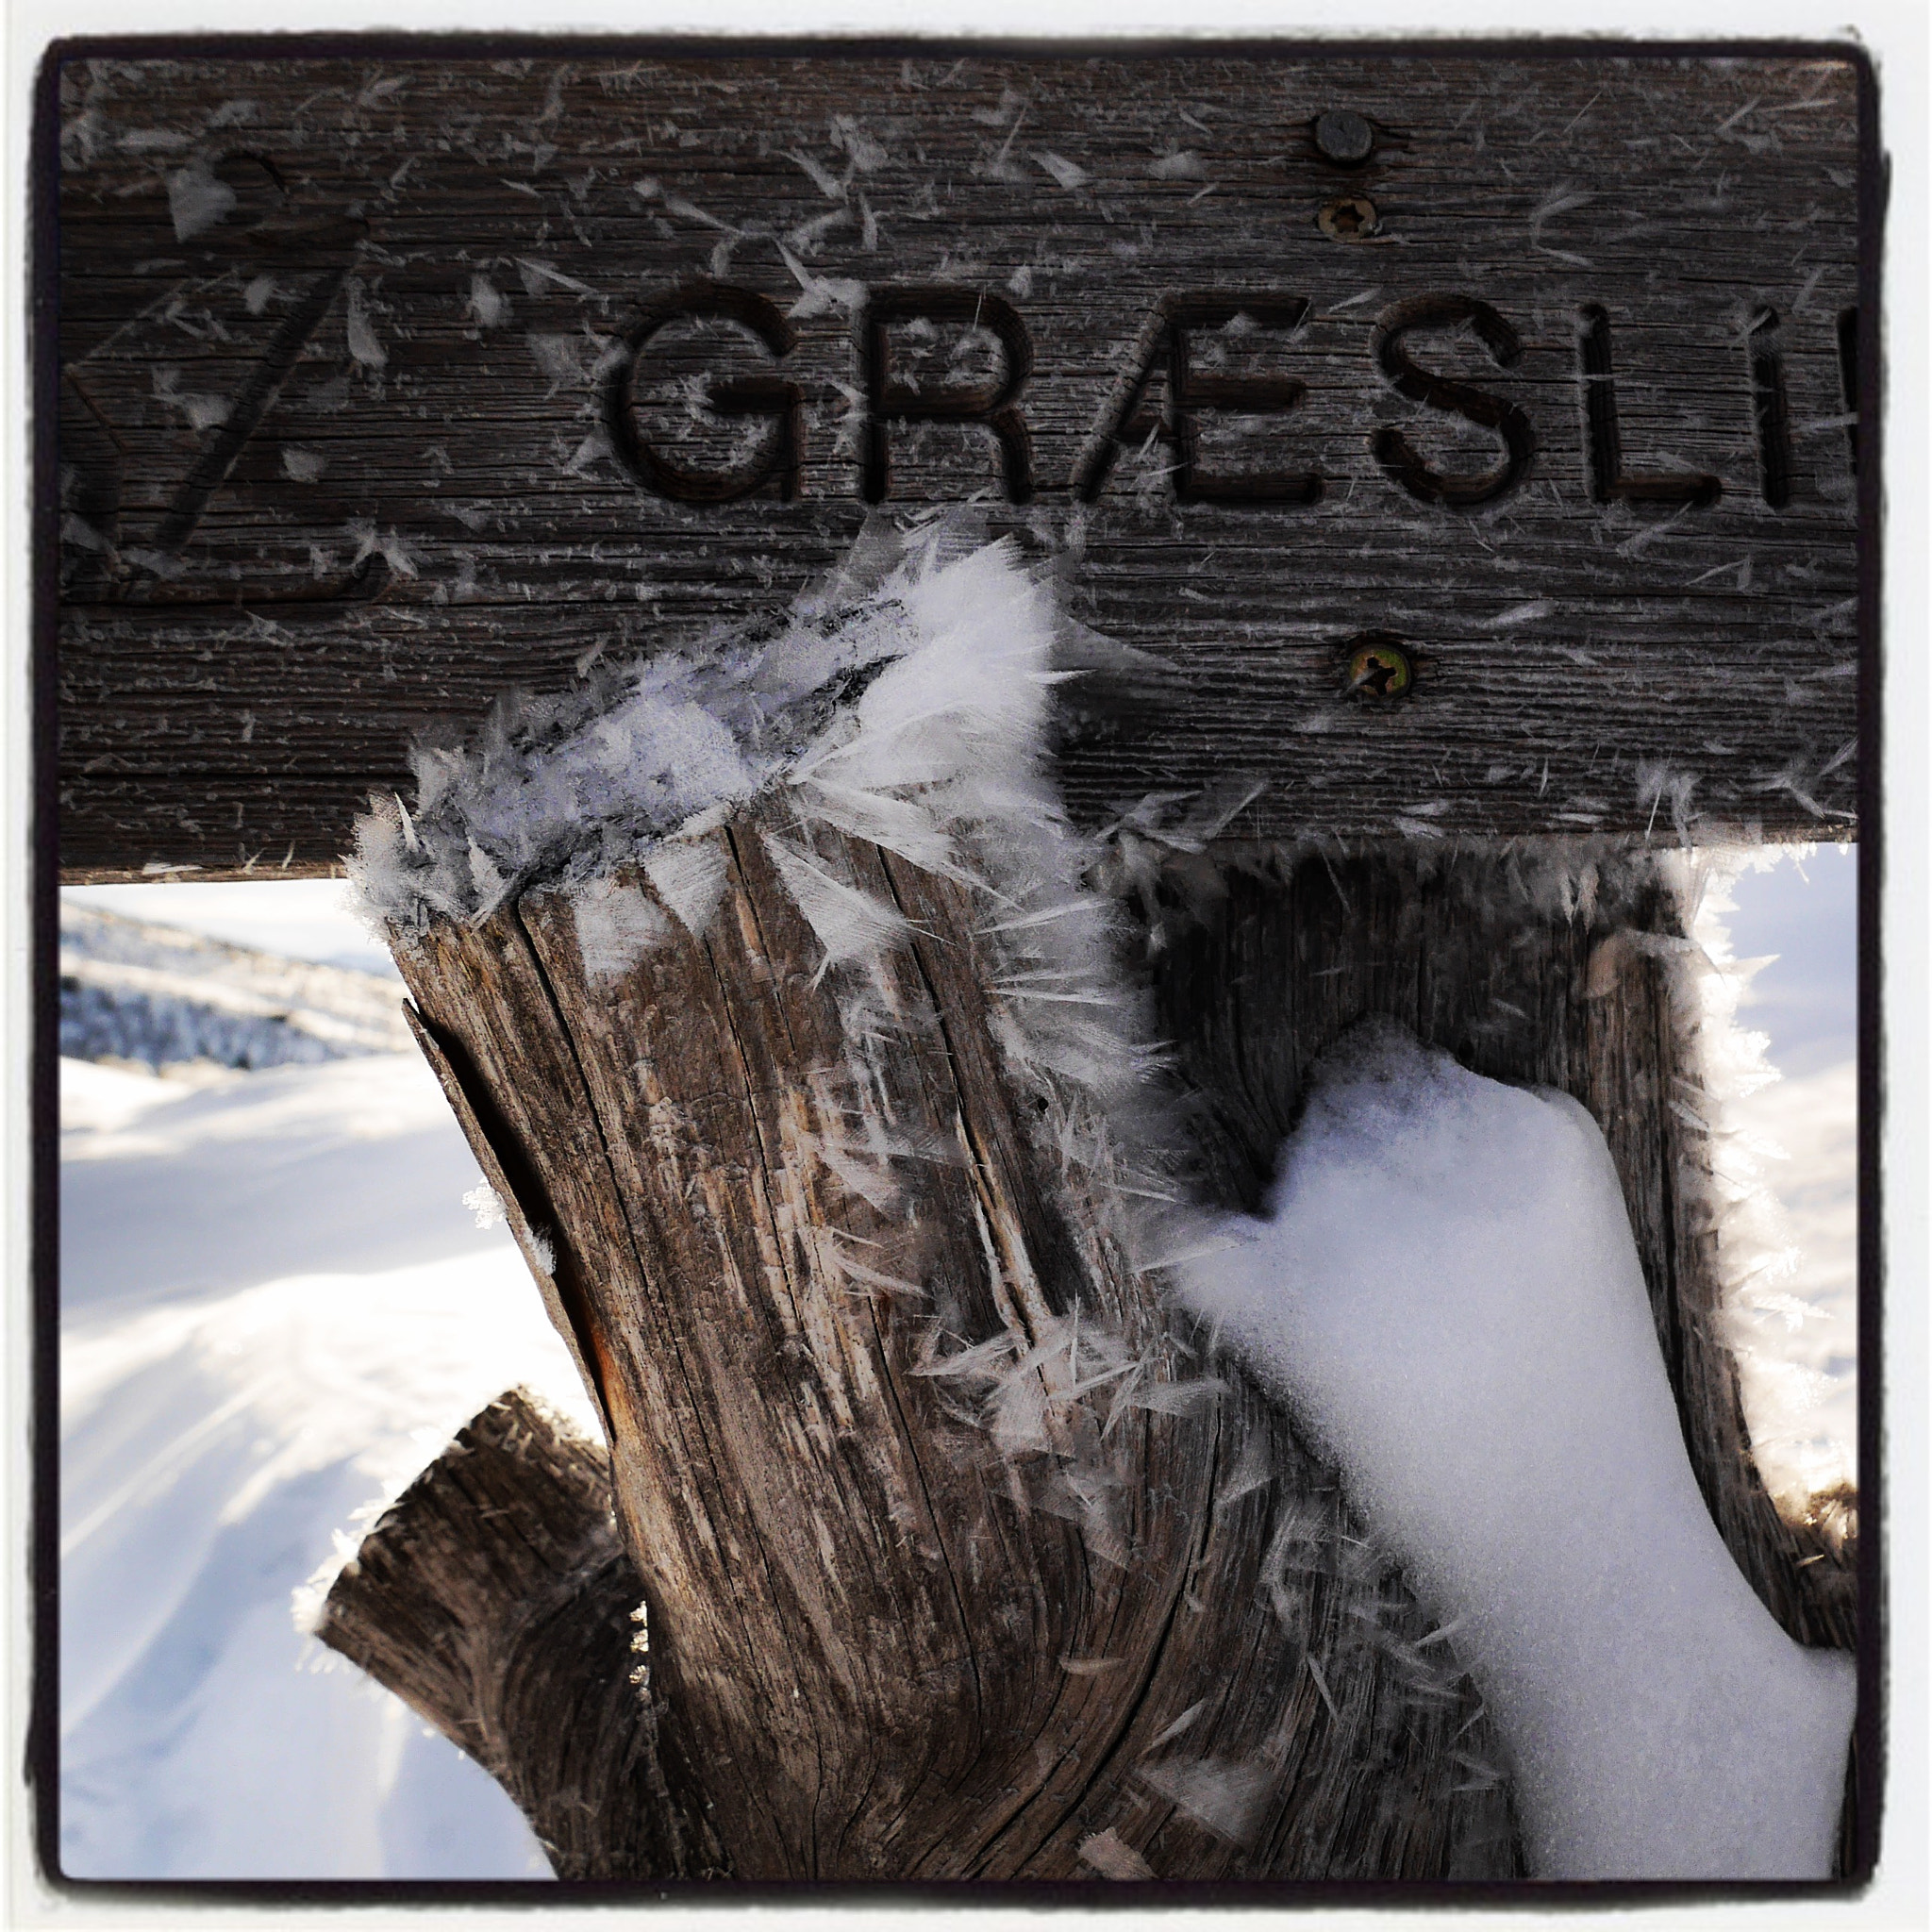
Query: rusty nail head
x=1344 y=137
x=1379 y=667
x=1353 y=217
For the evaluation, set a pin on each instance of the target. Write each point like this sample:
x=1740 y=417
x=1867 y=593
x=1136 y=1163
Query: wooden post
x=496 y=1601
x=636 y=1202
x=912 y=1624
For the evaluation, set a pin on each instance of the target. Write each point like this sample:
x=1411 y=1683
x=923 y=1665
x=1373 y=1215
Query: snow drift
x=275 y=1309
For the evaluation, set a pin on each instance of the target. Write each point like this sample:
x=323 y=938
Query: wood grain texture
x=898 y=1648
x=418 y=286
x=494 y=1598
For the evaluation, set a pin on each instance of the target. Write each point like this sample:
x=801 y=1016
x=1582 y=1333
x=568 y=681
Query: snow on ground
x=96 y=1098
x=352 y=1166
x=1448 y=1292
x=276 y=1308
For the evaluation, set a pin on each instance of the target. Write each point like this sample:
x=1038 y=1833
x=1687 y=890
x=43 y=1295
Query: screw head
x=1344 y=137
x=1379 y=667
x=1353 y=217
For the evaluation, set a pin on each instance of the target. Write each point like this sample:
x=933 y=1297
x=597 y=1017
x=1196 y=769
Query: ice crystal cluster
x=565 y=789
x=904 y=702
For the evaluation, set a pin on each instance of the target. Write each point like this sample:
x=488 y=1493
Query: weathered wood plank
x=427 y=283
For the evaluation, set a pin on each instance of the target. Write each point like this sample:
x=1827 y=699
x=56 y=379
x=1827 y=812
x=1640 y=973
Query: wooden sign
x=1466 y=443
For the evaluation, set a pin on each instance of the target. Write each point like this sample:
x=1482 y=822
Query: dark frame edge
x=1868 y=1733
x=323 y=43
x=41 y=1755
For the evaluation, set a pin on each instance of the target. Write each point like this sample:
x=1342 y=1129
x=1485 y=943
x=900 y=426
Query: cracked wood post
x=890 y=1643
x=1289 y=953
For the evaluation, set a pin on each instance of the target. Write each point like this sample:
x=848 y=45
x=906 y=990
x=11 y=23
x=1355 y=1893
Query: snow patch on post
x=1449 y=1294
